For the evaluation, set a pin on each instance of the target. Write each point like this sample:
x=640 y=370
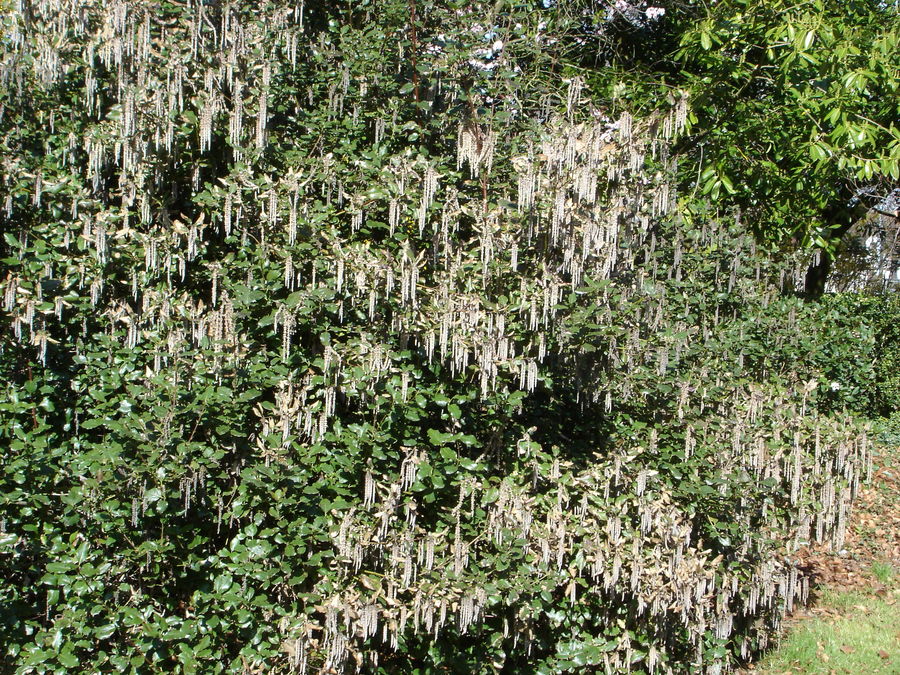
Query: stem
x=415 y=46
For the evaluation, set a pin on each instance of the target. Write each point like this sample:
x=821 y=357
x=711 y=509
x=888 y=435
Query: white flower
x=835 y=386
x=653 y=13
x=497 y=46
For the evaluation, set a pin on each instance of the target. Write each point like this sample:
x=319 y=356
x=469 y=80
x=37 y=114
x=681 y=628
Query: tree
x=794 y=107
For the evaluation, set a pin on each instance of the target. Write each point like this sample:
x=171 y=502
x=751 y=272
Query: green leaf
x=67 y=658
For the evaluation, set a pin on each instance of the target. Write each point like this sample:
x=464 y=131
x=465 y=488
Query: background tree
x=794 y=105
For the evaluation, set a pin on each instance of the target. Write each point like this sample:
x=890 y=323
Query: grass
x=861 y=638
x=853 y=627
x=883 y=572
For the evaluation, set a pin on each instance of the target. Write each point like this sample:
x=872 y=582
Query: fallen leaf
x=847 y=650
x=883 y=654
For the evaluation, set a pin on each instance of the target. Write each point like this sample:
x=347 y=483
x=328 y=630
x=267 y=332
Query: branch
x=414 y=47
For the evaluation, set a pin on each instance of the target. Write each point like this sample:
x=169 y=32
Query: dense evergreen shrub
x=847 y=350
x=337 y=343
x=882 y=313
x=865 y=374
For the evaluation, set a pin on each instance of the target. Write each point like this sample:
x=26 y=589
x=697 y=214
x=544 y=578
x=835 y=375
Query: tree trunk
x=817 y=276
x=840 y=216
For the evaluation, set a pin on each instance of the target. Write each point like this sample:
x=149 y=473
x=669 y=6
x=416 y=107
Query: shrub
x=883 y=313
x=298 y=377
x=860 y=353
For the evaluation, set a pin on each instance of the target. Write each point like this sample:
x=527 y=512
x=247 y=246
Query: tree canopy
x=794 y=105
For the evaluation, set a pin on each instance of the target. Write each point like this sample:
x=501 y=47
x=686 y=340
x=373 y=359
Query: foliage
x=880 y=315
x=794 y=104
x=351 y=337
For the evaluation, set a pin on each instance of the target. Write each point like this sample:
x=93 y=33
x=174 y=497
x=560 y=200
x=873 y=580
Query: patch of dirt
x=873 y=537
